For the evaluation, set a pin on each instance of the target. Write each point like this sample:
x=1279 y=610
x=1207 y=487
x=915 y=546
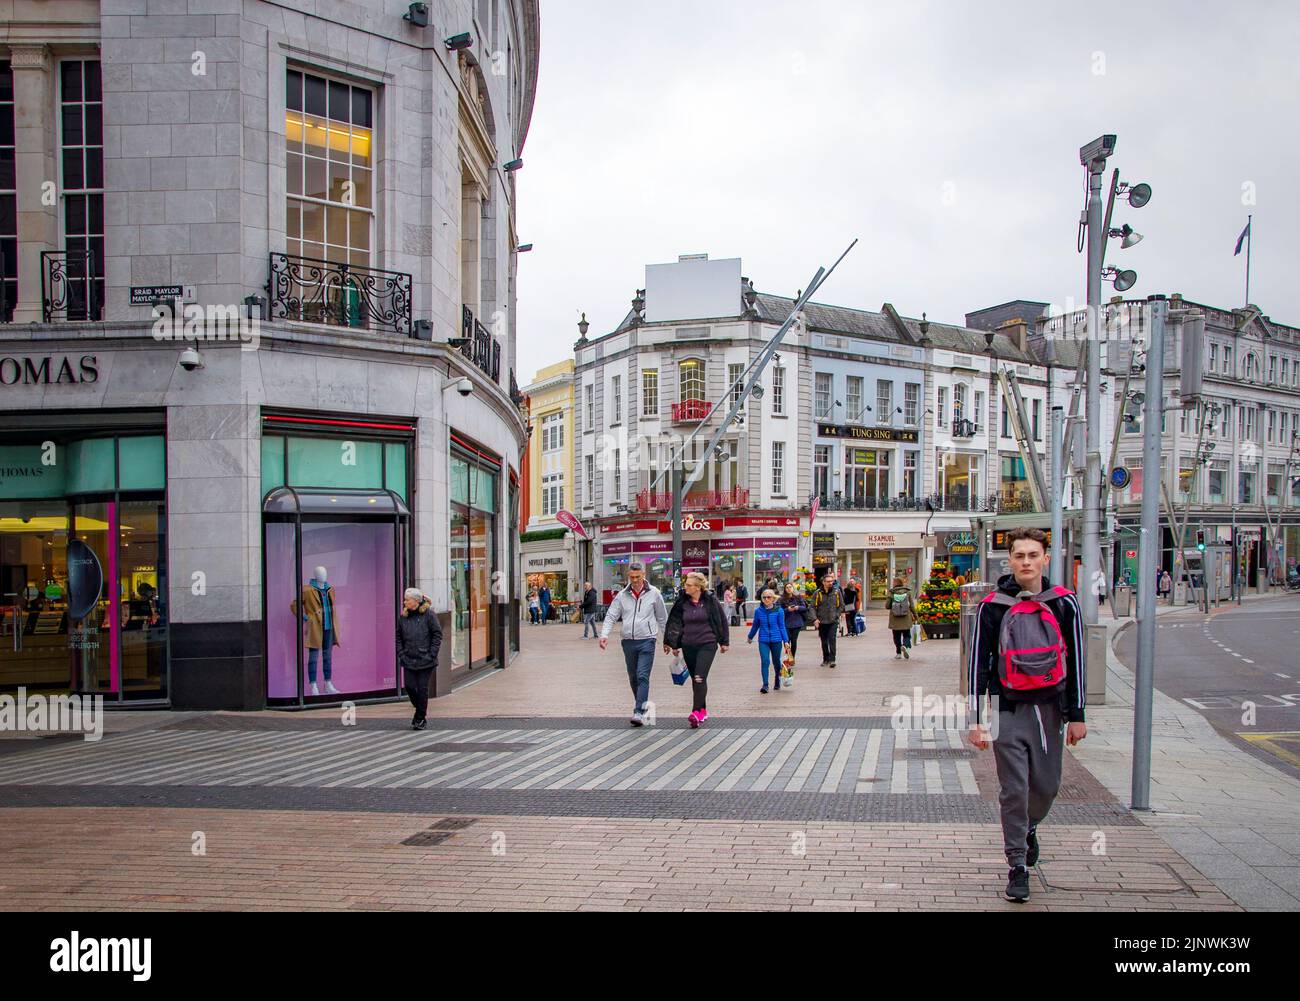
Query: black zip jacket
x=717 y=618
x=982 y=670
x=590 y=600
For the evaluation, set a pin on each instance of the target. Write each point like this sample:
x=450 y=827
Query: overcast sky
x=944 y=135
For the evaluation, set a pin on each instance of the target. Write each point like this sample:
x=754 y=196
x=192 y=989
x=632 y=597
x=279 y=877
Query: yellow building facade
x=550 y=472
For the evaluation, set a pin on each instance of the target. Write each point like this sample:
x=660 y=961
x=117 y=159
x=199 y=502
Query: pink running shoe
x=704 y=714
x=695 y=720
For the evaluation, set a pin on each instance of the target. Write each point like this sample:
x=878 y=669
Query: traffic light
x=1200 y=540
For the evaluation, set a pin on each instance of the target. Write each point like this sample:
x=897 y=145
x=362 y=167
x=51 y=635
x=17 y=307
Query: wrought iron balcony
x=962 y=428
x=648 y=502
x=344 y=295
x=962 y=500
x=479 y=346
x=867 y=502
x=691 y=411
x=70 y=286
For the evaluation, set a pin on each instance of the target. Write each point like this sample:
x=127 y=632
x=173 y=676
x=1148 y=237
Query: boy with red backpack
x=1027 y=652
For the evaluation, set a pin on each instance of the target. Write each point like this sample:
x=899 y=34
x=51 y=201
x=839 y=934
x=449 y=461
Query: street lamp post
x=1236 y=564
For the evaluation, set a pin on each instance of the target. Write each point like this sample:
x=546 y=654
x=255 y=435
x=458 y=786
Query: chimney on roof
x=1017 y=331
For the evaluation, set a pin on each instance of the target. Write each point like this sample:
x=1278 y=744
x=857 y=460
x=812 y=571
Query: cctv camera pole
x=1092 y=488
x=1057 y=498
x=1148 y=553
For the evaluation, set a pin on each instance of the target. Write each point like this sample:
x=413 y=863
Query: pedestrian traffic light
x=1200 y=540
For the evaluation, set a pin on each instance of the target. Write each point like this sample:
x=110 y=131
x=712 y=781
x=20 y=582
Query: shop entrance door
x=879 y=584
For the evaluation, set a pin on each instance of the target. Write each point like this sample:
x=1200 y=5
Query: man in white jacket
x=640 y=607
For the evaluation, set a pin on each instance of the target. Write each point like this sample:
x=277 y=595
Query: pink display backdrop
x=359 y=559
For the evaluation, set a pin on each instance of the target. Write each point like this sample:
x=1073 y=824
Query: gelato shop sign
x=51 y=370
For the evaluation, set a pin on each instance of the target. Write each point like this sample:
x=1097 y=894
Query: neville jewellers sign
x=48 y=371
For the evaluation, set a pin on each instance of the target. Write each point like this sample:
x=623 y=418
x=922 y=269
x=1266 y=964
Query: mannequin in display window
x=319 y=614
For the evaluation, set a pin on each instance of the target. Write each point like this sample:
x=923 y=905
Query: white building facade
x=321 y=197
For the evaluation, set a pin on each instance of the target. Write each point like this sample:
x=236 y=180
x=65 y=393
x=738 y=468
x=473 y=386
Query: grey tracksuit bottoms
x=1028 y=752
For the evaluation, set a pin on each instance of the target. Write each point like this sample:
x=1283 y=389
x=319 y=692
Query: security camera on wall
x=463 y=386
x=190 y=360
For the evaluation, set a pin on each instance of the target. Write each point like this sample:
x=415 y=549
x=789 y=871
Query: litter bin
x=1123 y=599
x=970 y=596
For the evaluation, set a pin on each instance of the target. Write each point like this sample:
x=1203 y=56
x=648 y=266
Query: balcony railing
x=691 y=411
x=479 y=346
x=962 y=428
x=951 y=501
x=837 y=502
x=69 y=286
x=648 y=502
x=344 y=295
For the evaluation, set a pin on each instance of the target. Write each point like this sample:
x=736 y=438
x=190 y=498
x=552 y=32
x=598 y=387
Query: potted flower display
x=939 y=607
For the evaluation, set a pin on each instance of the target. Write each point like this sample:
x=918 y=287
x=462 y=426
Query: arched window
x=690 y=379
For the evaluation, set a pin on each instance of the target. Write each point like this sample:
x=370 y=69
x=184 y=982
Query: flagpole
x=1250 y=233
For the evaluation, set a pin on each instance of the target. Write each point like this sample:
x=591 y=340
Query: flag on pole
x=814 y=503
x=1242 y=239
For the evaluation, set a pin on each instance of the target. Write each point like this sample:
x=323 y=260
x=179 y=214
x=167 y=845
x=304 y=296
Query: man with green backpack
x=828 y=606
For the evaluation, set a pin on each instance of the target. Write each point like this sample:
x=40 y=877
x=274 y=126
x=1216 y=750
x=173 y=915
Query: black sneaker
x=763 y=690
x=419 y=724
x=1031 y=848
x=1018 y=885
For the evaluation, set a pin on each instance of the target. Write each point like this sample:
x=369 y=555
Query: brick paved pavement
x=268 y=860
x=593 y=813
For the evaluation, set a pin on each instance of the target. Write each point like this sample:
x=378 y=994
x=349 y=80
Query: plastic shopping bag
x=681 y=673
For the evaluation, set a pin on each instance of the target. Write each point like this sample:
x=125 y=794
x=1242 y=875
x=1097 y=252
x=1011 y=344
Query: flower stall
x=939 y=607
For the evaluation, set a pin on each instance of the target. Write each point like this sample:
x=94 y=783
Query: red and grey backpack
x=1031 y=646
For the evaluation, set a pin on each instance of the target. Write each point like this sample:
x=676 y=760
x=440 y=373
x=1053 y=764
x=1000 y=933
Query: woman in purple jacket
x=773 y=639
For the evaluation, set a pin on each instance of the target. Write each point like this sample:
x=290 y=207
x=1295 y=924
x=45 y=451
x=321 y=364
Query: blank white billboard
x=692 y=290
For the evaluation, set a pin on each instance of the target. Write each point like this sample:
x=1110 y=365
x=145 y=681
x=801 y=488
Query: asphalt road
x=1238 y=661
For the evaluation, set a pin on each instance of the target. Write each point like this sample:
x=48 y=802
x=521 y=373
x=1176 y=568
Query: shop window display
x=472 y=557
x=770 y=565
x=332 y=594
x=83 y=579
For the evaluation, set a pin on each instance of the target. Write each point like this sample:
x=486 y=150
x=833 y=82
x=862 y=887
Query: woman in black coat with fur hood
x=419 y=638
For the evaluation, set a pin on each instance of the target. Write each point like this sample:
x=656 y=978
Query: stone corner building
x=337 y=173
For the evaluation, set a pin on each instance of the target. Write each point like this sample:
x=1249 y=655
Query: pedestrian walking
x=1027 y=653
x=795 y=606
x=590 y=604
x=534 y=608
x=742 y=596
x=852 y=595
x=729 y=604
x=697 y=630
x=828 y=606
x=419 y=638
x=1166 y=584
x=773 y=640
x=640 y=608
x=902 y=616
x=544 y=600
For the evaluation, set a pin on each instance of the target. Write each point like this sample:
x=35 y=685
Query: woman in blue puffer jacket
x=773 y=639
